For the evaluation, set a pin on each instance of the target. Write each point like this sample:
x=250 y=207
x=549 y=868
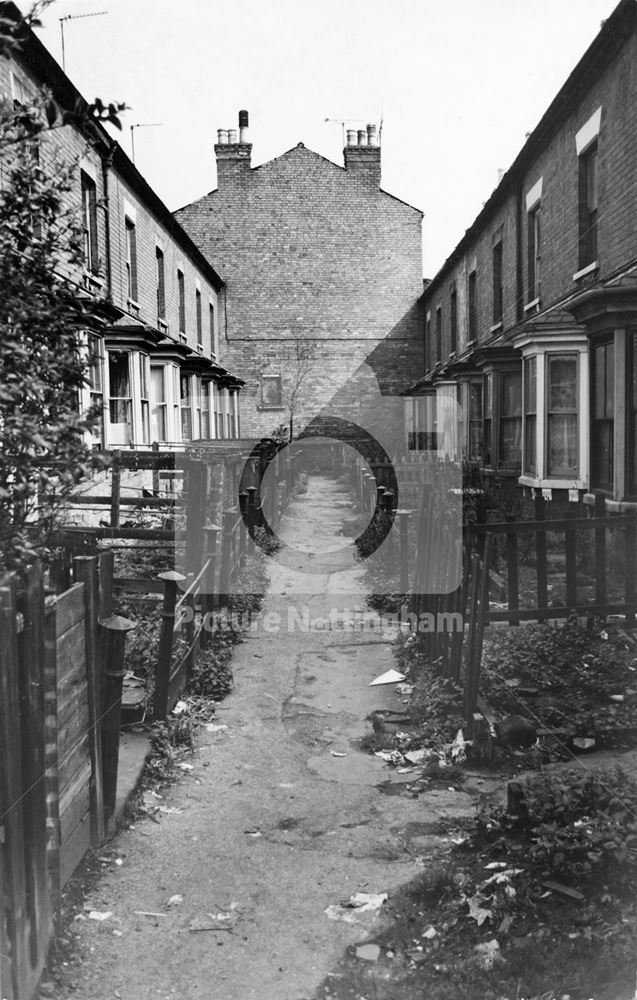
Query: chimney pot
x=371 y=135
x=243 y=126
x=232 y=136
x=222 y=137
x=351 y=137
x=362 y=137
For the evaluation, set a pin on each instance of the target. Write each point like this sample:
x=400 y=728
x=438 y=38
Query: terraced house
x=531 y=323
x=155 y=363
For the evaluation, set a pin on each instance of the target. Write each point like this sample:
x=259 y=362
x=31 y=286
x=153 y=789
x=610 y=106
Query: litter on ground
x=362 y=907
x=389 y=677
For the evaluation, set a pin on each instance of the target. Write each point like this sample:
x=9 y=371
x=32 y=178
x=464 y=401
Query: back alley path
x=269 y=821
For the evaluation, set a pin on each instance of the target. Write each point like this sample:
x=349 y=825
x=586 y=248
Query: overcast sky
x=458 y=84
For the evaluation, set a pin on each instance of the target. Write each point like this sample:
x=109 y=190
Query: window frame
x=550 y=358
x=160 y=265
x=529 y=414
x=130 y=260
x=498 y=279
x=198 y=318
x=438 y=334
x=597 y=423
x=453 y=319
x=277 y=404
x=588 y=202
x=159 y=406
x=181 y=303
x=89 y=222
x=534 y=253
x=472 y=305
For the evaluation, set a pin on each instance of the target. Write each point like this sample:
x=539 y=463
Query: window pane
x=562 y=444
x=271 y=390
x=562 y=385
x=511 y=388
x=510 y=443
x=118 y=373
x=530 y=385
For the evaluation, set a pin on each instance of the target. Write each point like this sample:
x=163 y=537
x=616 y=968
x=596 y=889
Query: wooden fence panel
x=15 y=954
x=32 y=705
x=74 y=769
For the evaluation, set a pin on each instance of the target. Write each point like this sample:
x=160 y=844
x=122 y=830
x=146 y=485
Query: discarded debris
x=488 y=954
x=368 y=952
x=100 y=915
x=212 y=727
x=404 y=688
x=584 y=742
x=175 y=900
x=417 y=756
x=180 y=707
x=389 y=677
x=430 y=933
x=253 y=833
x=565 y=890
x=148 y=913
x=362 y=907
x=337 y=753
x=224 y=920
x=186 y=767
x=391 y=756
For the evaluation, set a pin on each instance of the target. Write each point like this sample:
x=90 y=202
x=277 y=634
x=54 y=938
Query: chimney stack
x=362 y=156
x=233 y=152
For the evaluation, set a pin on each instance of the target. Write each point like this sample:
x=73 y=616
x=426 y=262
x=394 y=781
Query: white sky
x=459 y=84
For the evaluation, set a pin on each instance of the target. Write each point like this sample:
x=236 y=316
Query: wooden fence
x=60 y=692
x=571 y=565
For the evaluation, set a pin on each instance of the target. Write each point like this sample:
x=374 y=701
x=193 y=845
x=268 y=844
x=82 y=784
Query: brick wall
x=614 y=89
x=311 y=252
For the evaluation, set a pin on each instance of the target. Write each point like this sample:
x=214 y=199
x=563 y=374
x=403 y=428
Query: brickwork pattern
x=311 y=252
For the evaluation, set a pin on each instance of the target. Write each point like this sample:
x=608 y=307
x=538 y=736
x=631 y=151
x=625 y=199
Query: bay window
x=561 y=415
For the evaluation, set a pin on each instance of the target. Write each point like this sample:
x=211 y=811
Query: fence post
x=155 y=448
x=116 y=629
x=600 y=550
x=195 y=516
x=85 y=571
x=540 y=553
x=106 y=563
x=225 y=571
x=208 y=593
x=164 y=657
x=630 y=538
x=479 y=611
x=243 y=531
x=116 y=484
x=512 y=573
x=571 y=580
x=403 y=530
